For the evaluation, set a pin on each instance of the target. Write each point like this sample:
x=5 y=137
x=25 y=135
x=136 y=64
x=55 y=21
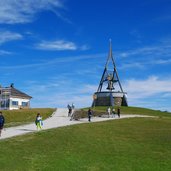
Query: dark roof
x=17 y=93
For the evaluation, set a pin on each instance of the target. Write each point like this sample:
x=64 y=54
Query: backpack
x=1 y=120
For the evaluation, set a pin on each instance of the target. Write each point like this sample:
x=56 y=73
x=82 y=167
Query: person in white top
x=113 y=112
x=108 y=110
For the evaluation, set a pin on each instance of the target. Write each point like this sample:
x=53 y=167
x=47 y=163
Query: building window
x=24 y=104
x=15 y=103
x=4 y=103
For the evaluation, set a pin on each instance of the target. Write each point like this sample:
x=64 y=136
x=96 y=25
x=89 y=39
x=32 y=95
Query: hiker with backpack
x=2 y=121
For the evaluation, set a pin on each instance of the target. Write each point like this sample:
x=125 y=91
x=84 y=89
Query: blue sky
x=55 y=50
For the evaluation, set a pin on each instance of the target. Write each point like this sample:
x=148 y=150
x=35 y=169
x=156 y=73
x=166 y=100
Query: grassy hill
x=135 y=144
x=23 y=116
x=136 y=110
x=101 y=110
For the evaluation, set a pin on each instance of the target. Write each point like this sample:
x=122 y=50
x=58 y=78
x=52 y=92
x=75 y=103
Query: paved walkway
x=59 y=119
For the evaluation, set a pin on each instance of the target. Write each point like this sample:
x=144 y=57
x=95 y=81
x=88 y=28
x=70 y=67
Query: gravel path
x=58 y=119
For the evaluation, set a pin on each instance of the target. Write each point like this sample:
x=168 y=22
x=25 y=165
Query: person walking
x=89 y=114
x=2 y=121
x=119 y=111
x=108 y=111
x=38 y=121
x=73 y=106
x=72 y=114
x=113 y=112
x=72 y=111
x=69 y=110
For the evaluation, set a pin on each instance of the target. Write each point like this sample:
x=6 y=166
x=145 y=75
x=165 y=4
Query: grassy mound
x=23 y=116
x=99 y=111
x=136 y=144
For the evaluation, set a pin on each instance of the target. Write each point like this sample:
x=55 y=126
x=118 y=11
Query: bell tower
x=110 y=91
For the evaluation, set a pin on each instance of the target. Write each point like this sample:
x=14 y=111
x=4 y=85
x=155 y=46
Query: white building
x=11 y=98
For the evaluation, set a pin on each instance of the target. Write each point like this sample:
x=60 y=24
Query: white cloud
x=158 y=50
x=141 y=58
x=140 y=93
x=59 y=91
x=153 y=92
x=23 y=11
x=61 y=100
x=143 y=64
x=49 y=63
x=138 y=89
x=57 y=45
x=3 y=52
x=7 y=36
x=87 y=88
x=138 y=65
x=55 y=93
x=162 y=61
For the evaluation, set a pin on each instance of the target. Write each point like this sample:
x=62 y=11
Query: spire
x=111 y=77
x=110 y=53
x=110 y=48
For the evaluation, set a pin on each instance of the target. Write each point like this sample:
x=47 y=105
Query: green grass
x=23 y=116
x=136 y=144
x=101 y=110
x=143 y=111
x=134 y=110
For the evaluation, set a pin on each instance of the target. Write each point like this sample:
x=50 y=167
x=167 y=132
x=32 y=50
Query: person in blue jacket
x=89 y=114
x=2 y=121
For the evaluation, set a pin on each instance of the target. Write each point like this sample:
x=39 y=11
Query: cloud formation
x=22 y=11
x=158 y=50
x=152 y=92
x=141 y=58
x=139 y=89
x=3 y=52
x=57 y=45
x=7 y=36
x=138 y=92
